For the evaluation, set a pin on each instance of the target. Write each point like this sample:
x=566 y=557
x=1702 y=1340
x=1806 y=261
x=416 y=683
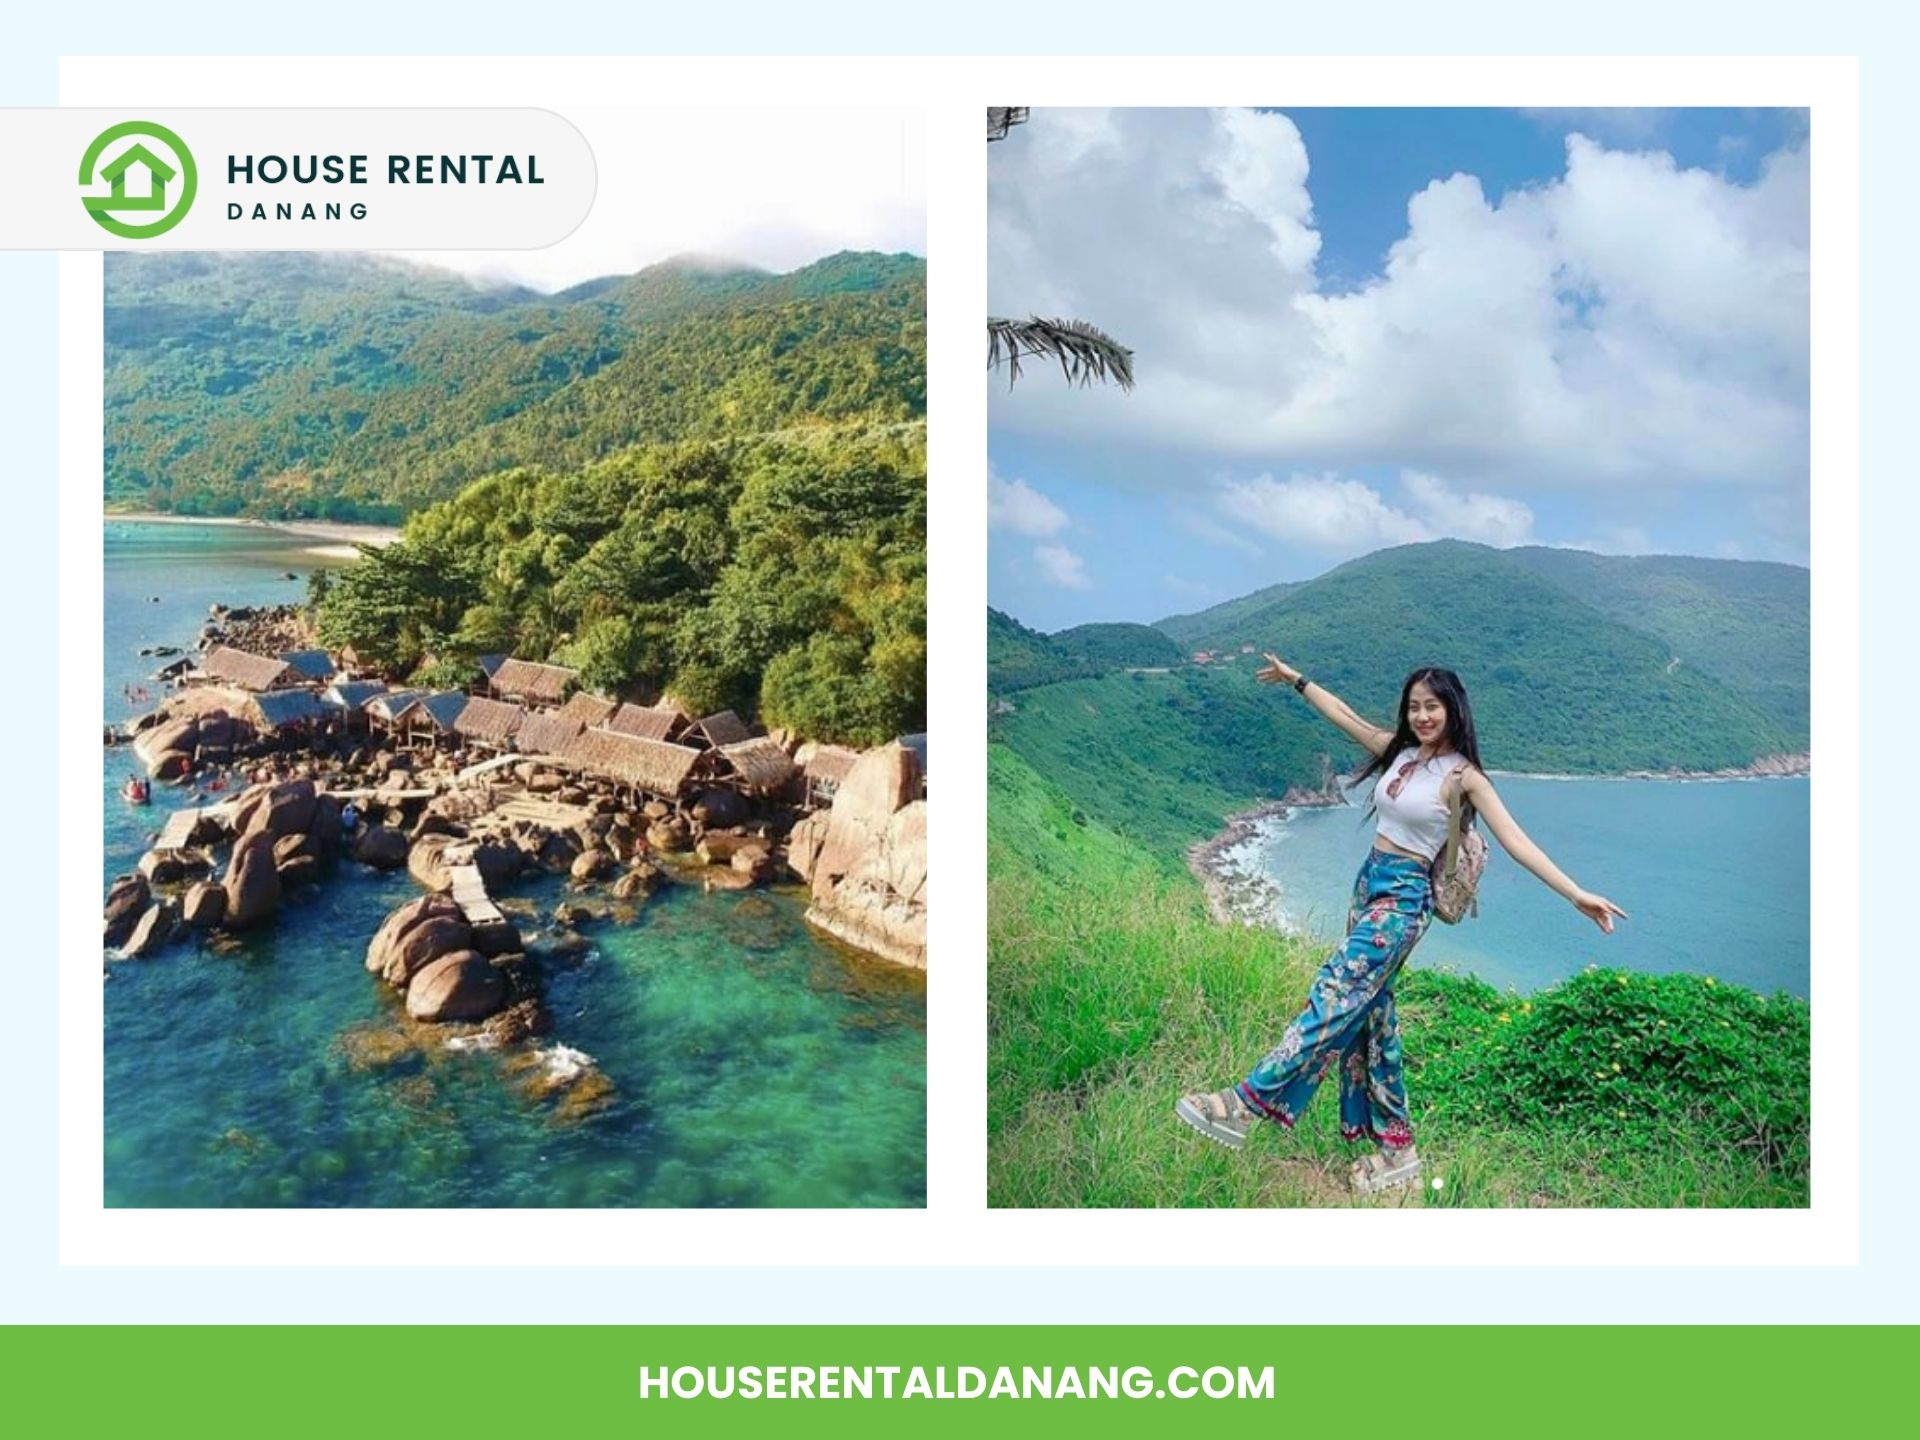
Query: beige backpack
x=1456 y=874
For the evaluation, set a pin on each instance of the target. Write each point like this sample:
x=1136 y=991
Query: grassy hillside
x=358 y=387
x=1111 y=993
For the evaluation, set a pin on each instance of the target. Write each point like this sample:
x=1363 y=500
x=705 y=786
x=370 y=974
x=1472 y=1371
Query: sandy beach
x=340 y=538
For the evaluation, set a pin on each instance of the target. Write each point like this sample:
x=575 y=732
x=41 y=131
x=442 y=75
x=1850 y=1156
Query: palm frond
x=1085 y=353
x=1002 y=118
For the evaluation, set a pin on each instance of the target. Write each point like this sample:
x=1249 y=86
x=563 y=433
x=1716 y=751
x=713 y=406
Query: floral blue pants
x=1349 y=1023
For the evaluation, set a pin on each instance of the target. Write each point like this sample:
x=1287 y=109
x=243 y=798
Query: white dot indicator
x=1438 y=1183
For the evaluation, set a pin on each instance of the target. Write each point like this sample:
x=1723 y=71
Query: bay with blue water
x=752 y=1062
x=1713 y=873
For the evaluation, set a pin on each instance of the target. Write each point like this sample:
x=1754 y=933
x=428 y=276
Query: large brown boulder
x=325 y=827
x=642 y=880
x=424 y=944
x=382 y=847
x=127 y=900
x=395 y=927
x=427 y=862
x=880 y=903
x=804 y=842
x=591 y=865
x=285 y=808
x=154 y=928
x=294 y=847
x=498 y=863
x=253 y=884
x=461 y=986
x=205 y=906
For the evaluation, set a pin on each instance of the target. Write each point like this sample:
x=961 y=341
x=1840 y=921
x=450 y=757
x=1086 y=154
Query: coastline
x=340 y=537
x=1239 y=895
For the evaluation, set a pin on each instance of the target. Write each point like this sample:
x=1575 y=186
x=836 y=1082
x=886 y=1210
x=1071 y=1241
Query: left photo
x=514 y=702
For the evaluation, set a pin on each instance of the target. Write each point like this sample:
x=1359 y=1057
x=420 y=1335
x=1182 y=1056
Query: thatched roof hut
x=650 y=765
x=546 y=732
x=437 y=712
x=351 y=696
x=224 y=665
x=388 y=706
x=313 y=664
x=650 y=722
x=284 y=709
x=723 y=728
x=489 y=722
x=588 y=710
x=532 y=683
x=490 y=663
x=757 y=763
x=826 y=767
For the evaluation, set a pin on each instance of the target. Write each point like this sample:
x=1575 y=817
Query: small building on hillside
x=530 y=683
x=316 y=665
x=224 y=665
x=652 y=722
x=825 y=767
x=651 y=767
x=278 y=711
x=349 y=699
x=586 y=710
x=757 y=765
x=491 y=724
x=546 y=732
x=716 y=730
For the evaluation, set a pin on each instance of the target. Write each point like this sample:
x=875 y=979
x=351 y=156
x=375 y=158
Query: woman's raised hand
x=1598 y=909
x=1276 y=672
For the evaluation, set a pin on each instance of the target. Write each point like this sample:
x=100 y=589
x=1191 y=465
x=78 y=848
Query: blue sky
x=1356 y=328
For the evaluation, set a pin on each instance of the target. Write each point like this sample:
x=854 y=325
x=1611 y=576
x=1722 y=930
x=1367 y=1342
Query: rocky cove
x=648 y=956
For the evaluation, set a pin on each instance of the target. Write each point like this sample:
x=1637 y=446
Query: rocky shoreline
x=276 y=810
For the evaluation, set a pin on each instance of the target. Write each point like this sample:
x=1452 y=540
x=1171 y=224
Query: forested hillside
x=1562 y=659
x=354 y=387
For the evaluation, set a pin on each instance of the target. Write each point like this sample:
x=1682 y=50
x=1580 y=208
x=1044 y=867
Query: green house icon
x=146 y=211
x=159 y=175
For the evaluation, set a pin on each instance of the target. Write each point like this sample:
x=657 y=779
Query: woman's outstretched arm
x=1363 y=732
x=1517 y=843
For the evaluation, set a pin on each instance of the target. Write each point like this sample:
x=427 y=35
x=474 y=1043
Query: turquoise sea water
x=752 y=1063
x=1714 y=875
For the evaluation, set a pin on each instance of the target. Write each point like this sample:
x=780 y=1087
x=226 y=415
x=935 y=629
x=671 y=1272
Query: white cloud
x=1062 y=567
x=1630 y=323
x=1348 y=517
x=1322 y=512
x=1490 y=519
x=800 y=184
x=1016 y=506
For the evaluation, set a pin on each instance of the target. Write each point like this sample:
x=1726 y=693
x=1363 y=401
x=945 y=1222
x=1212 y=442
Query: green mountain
x=1018 y=657
x=1745 y=622
x=354 y=387
x=1187 y=630
x=1558 y=682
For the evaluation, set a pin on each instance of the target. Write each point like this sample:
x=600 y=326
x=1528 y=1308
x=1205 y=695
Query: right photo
x=1398 y=657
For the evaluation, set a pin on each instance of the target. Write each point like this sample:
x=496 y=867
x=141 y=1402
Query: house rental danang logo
x=148 y=176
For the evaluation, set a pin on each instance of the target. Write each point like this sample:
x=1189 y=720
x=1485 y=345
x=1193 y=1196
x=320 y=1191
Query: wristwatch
x=1301 y=684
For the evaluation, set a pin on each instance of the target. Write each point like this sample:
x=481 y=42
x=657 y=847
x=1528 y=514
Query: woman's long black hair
x=1460 y=734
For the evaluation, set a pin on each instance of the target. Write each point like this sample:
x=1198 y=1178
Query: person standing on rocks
x=1349 y=1025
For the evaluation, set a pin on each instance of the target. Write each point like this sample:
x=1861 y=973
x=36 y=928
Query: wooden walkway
x=553 y=814
x=469 y=890
x=177 y=833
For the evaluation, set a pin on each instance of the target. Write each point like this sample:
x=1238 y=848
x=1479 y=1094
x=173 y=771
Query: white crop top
x=1416 y=818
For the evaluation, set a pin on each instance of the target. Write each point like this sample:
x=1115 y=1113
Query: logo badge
x=150 y=178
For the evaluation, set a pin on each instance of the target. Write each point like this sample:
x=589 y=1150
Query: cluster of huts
x=528 y=708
